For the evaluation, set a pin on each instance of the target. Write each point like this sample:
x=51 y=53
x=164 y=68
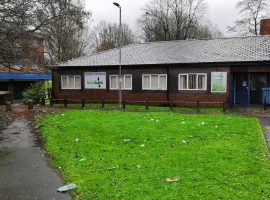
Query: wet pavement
x=25 y=173
x=265 y=121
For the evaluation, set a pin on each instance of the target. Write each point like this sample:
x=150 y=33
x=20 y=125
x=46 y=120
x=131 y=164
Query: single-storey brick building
x=229 y=69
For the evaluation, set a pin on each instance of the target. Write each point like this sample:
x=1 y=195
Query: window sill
x=121 y=89
x=153 y=90
x=193 y=91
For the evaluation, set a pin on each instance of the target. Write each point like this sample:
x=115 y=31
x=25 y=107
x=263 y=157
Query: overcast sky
x=220 y=12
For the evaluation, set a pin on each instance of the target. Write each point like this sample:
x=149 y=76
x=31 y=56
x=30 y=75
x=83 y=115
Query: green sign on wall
x=95 y=80
x=219 y=82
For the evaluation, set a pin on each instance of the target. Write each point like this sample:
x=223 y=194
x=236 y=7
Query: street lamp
x=120 y=54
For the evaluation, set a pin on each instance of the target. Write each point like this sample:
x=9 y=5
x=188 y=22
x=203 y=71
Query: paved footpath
x=25 y=173
x=265 y=121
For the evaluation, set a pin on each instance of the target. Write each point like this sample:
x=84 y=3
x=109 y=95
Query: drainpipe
x=248 y=88
x=168 y=85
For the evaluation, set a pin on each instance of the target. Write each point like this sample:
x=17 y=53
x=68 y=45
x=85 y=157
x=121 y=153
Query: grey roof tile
x=241 y=49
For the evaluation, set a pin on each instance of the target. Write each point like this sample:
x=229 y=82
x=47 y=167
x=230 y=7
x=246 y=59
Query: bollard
x=51 y=102
x=124 y=104
x=30 y=104
x=171 y=105
x=83 y=103
x=65 y=102
x=8 y=106
x=146 y=104
x=43 y=102
x=198 y=106
x=224 y=107
x=103 y=103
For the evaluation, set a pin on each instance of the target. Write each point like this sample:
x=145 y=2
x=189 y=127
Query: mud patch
x=39 y=141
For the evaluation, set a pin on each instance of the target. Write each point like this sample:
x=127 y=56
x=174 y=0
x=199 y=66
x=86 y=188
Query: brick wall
x=137 y=94
x=27 y=63
x=265 y=27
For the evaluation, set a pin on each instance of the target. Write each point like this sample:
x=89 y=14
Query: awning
x=22 y=76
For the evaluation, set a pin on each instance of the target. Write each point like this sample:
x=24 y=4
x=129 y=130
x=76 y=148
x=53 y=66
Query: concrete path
x=24 y=170
x=265 y=121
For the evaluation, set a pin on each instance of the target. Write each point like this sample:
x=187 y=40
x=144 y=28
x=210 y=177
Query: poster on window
x=95 y=80
x=219 y=82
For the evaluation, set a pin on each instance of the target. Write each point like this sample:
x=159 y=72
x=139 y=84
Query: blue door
x=241 y=88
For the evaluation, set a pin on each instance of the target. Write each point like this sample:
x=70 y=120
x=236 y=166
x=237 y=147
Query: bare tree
x=251 y=11
x=21 y=20
x=106 y=36
x=206 y=31
x=67 y=38
x=173 y=20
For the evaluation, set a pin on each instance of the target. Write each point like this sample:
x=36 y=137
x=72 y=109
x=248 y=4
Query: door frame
x=234 y=87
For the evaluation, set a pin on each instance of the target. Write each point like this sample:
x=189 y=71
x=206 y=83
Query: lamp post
x=120 y=54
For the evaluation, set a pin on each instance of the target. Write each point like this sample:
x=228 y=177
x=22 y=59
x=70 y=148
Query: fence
x=146 y=103
x=266 y=97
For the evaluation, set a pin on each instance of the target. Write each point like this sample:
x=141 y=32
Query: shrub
x=35 y=92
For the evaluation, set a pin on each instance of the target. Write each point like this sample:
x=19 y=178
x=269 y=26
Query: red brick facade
x=265 y=27
x=137 y=94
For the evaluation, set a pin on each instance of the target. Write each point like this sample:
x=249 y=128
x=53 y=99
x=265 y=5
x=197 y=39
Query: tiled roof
x=245 y=49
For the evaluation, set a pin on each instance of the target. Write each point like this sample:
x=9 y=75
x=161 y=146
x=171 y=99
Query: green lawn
x=143 y=108
x=127 y=155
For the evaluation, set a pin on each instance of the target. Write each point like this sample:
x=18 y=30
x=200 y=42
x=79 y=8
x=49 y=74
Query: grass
x=127 y=155
x=142 y=108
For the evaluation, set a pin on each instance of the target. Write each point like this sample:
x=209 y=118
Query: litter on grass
x=139 y=166
x=66 y=188
x=142 y=145
x=127 y=140
x=184 y=141
x=112 y=168
x=83 y=159
x=77 y=140
x=172 y=180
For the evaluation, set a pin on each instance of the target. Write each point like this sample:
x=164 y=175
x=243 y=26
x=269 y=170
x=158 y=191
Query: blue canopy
x=23 y=76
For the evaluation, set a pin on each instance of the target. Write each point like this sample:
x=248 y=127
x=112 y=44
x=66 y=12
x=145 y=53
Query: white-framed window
x=126 y=82
x=192 y=81
x=71 y=82
x=154 y=81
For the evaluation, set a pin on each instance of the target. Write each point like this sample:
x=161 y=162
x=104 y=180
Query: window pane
x=146 y=82
x=114 y=82
x=127 y=82
x=192 y=81
x=163 y=82
x=71 y=82
x=77 y=82
x=201 y=82
x=64 y=82
x=154 y=82
x=183 y=82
